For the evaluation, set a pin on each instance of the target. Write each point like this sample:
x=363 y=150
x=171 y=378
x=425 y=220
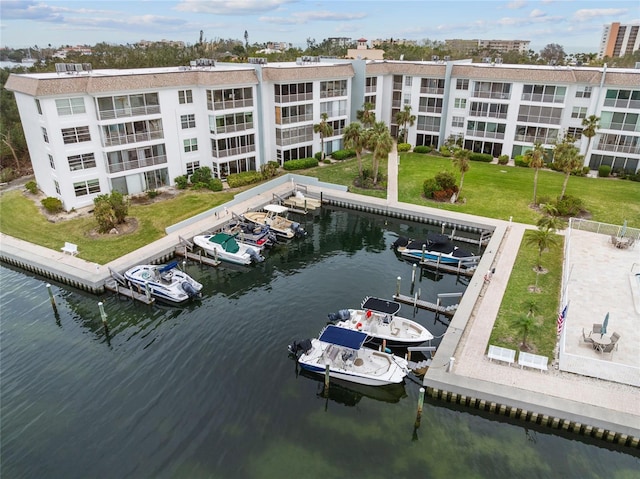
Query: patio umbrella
x=603 y=328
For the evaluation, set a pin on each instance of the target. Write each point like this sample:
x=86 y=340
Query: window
x=45 y=136
x=371 y=84
x=579 y=112
x=88 y=187
x=82 y=162
x=629 y=99
x=57 y=185
x=39 y=108
x=460 y=103
x=544 y=93
x=52 y=163
x=76 y=135
x=428 y=123
x=185 y=96
x=432 y=85
x=193 y=166
x=188 y=121
x=457 y=121
x=407 y=99
x=462 y=84
x=584 y=92
x=190 y=144
x=332 y=88
x=575 y=133
x=539 y=114
x=70 y=106
x=408 y=81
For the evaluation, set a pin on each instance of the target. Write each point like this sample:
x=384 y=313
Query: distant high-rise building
x=619 y=40
x=498 y=46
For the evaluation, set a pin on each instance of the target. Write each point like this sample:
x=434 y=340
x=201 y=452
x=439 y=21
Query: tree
x=567 y=158
x=246 y=40
x=553 y=54
x=110 y=210
x=591 y=125
x=524 y=322
x=380 y=142
x=535 y=158
x=355 y=138
x=324 y=129
x=542 y=238
x=367 y=116
x=461 y=162
x=404 y=117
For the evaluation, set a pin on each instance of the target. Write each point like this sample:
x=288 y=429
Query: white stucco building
x=91 y=132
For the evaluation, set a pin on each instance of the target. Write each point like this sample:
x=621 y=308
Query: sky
x=576 y=25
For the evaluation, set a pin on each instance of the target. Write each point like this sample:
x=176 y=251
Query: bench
x=533 y=361
x=501 y=354
x=70 y=248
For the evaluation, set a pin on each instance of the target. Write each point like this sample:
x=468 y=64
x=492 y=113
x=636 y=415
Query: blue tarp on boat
x=343 y=337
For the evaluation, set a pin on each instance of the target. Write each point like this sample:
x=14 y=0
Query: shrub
x=634 y=176
x=201 y=175
x=110 y=210
x=300 y=164
x=181 y=182
x=269 y=170
x=503 y=159
x=215 y=184
x=569 y=206
x=484 y=157
x=52 y=205
x=445 y=151
x=446 y=180
x=429 y=187
x=343 y=154
x=31 y=187
x=366 y=180
x=7 y=174
x=441 y=187
x=151 y=194
x=318 y=156
x=422 y=149
x=521 y=161
x=604 y=171
x=585 y=170
x=402 y=147
x=244 y=178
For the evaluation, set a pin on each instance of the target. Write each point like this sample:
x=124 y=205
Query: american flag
x=561 y=317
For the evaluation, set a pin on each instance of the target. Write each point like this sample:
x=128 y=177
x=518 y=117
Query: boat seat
x=395 y=331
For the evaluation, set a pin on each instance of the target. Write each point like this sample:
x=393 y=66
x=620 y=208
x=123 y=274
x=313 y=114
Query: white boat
x=341 y=349
x=377 y=319
x=165 y=282
x=224 y=246
x=275 y=217
x=437 y=248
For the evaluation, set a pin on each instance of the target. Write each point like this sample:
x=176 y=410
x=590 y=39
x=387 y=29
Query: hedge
x=340 y=155
x=403 y=147
x=422 y=149
x=300 y=164
x=245 y=178
x=484 y=157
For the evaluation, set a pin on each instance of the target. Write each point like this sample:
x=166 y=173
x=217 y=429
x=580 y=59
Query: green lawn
x=21 y=218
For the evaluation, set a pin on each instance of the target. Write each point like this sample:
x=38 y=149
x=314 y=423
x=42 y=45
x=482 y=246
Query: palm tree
x=535 y=158
x=524 y=322
x=591 y=125
x=355 y=138
x=380 y=142
x=567 y=158
x=461 y=162
x=324 y=129
x=404 y=117
x=550 y=220
x=542 y=238
x=367 y=116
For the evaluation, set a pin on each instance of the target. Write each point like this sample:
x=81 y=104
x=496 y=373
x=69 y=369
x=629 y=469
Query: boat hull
x=165 y=285
x=243 y=256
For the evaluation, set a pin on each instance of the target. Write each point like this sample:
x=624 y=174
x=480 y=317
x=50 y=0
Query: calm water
x=208 y=390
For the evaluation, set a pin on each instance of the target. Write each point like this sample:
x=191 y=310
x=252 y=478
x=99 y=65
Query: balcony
x=232 y=128
x=129 y=112
x=486 y=134
x=432 y=90
x=133 y=138
x=294 y=97
x=137 y=163
x=539 y=97
x=494 y=95
x=545 y=140
x=286 y=120
x=234 y=151
x=634 y=150
x=230 y=104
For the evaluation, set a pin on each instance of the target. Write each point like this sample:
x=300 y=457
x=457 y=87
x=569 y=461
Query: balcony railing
x=635 y=150
x=133 y=138
x=229 y=104
x=370 y=89
x=234 y=151
x=486 y=134
x=542 y=119
x=294 y=97
x=286 y=120
x=539 y=97
x=396 y=103
x=488 y=114
x=135 y=164
x=432 y=90
x=128 y=112
x=546 y=140
x=490 y=94
x=333 y=93
x=232 y=128
x=430 y=109
x=397 y=85
x=626 y=103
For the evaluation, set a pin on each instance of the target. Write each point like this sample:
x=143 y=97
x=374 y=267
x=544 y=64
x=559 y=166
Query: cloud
x=28 y=10
x=515 y=5
x=298 y=18
x=586 y=14
x=230 y=7
x=535 y=13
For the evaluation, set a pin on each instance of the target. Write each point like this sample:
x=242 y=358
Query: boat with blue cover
x=437 y=248
x=342 y=350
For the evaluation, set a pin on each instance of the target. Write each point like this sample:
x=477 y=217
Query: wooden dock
x=185 y=248
x=419 y=303
x=439 y=267
x=113 y=285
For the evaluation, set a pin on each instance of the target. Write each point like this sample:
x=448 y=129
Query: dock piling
x=398 y=279
x=326 y=377
x=53 y=301
x=451 y=361
x=103 y=315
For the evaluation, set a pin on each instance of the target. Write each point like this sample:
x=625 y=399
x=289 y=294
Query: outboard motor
x=302 y=346
x=400 y=242
x=341 y=315
x=255 y=256
x=298 y=230
x=189 y=289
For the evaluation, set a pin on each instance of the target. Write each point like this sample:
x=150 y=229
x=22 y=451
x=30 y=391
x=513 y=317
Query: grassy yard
x=22 y=219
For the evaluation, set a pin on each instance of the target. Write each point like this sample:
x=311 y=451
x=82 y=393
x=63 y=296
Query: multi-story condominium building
x=498 y=46
x=619 y=40
x=92 y=132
